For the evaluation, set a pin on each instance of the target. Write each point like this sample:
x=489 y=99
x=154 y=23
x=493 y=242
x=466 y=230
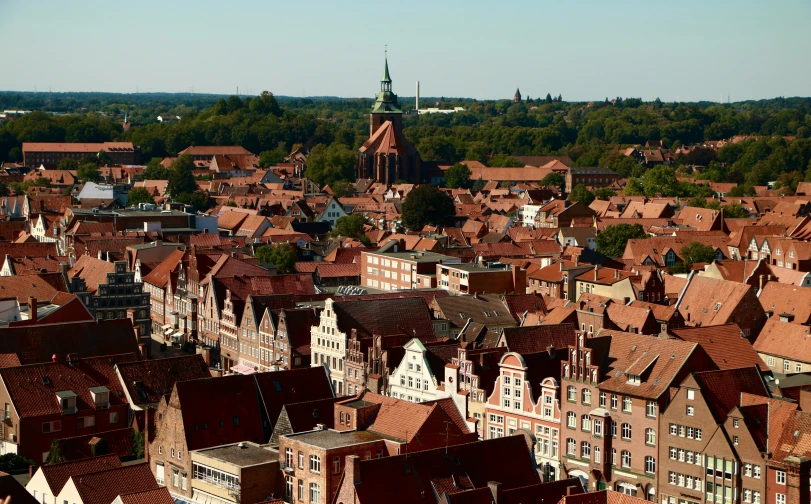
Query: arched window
x=626 y=458
x=571 y=447
x=650 y=465
x=571 y=393
x=571 y=420
x=585 y=450
x=626 y=431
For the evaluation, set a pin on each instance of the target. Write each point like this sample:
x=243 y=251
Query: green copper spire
x=386 y=76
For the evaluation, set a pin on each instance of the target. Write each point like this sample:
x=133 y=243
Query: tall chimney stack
x=32 y=309
x=417 y=99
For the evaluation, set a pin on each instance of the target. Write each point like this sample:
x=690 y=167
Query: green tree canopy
x=427 y=205
x=351 y=226
x=660 y=180
x=581 y=195
x=342 y=189
x=283 y=256
x=604 y=193
x=554 y=179
x=692 y=253
x=505 y=161
x=155 y=170
x=327 y=165
x=458 y=177
x=88 y=172
x=735 y=210
x=139 y=195
x=67 y=164
x=613 y=239
x=273 y=157
x=181 y=176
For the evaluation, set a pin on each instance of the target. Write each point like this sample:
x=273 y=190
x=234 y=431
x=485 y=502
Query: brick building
x=596 y=176
x=390 y=269
x=616 y=389
x=471 y=278
x=236 y=472
x=49 y=154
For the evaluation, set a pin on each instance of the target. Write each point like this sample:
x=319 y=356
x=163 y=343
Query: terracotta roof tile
x=725 y=344
x=785 y=299
x=722 y=389
x=58 y=474
x=154 y=496
x=103 y=487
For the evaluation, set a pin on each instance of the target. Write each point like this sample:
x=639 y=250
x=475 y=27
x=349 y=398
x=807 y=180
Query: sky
x=686 y=50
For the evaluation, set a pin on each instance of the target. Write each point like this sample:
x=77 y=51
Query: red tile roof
x=118 y=443
x=535 y=339
x=33 y=387
x=23 y=286
x=155 y=496
x=57 y=475
x=146 y=381
x=784 y=339
x=725 y=344
x=722 y=389
x=785 y=299
x=93 y=271
x=103 y=487
x=292 y=386
x=385 y=317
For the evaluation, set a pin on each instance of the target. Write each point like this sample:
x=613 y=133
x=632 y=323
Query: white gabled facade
x=328 y=347
x=332 y=212
x=413 y=380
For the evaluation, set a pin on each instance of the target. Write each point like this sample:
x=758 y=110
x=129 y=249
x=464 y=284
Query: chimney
x=805 y=400
x=495 y=489
x=31 y=470
x=417 y=99
x=54 y=358
x=353 y=468
x=63 y=268
x=32 y=309
x=142 y=350
x=761 y=281
x=797 y=484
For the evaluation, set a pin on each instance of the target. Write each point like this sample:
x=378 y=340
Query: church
x=387 y=156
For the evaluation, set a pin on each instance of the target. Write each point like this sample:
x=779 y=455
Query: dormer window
x=634 y=379
x=67 y=401
x=101 y=397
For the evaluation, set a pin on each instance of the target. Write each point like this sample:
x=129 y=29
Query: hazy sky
x=582 y=49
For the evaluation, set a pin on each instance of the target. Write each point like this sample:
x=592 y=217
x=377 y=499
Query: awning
x=178 y=334
x=167 y=332
x=242 y=369
x=166 y=326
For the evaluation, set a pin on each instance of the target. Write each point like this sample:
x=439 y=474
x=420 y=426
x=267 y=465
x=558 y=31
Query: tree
x=273 y=157
x=88 y=172
x=327 y=165
x=155 y=170
x=581 y=195
x=458 y=177
x=137 y=444
x=197 y=199
x=633 y=187
x=612 y=241
x=504 y=161
x=67 y=164
x=660 y=180
x=342 y=189
x=283 y=256
x=697 y=202
x=181 y=176
x=351 y=226
x=735 y=210
x=548 y=98
x=139 y=195
x=427 y=205
x=692 y=253
x=554 y=179
x=604 y=193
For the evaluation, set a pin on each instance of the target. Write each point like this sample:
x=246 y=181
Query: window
x=585 y=450
x=781 y=477
x=756 y=471
x=691 y=411
x=114 y=417
x=602 y=399
x=613 y=402
x=626 y=458
x=571 y=393
x=300 y=460
x=650 y=465
x=691 y=394
x=585 y=423
x=288 y=487
x=571 y=420
x=315 y=464
x=626 y=404
x=571 y=447
x=598 y=427
x=626 y=431
x=650 y=436
x=780 y=498
x=160 y=473
x=650 y=409
x=315 y=493
x=175 y=478
x=786 y=365
x=586 y=396
x=798 y=367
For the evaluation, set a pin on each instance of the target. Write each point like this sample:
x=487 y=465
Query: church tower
x=387 y=156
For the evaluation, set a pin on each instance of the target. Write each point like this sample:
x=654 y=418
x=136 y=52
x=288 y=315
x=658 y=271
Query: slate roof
x=725 y=344
x=146 y=381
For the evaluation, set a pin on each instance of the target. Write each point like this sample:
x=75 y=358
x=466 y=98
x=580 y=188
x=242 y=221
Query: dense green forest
x=590 y=133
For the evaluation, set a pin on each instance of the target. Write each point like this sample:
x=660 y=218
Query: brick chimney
x=797 y=476
x=805 y=400
x=353 y=468
x=519 y=279
x=32 y=309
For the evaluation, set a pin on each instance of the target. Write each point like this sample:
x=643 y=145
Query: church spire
x=385 y=82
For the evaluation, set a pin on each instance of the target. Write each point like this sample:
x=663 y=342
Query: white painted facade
x=328 y=347
x=38 y=487
x=413 y=380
